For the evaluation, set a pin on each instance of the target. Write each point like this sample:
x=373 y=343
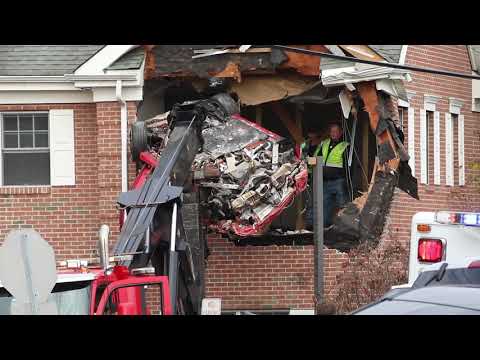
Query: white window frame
x=2 y=113
x=455 y=108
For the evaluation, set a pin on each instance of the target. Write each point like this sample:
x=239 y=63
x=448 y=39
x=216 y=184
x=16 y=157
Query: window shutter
x=448 y=149
x=411 y=138
x=461 y=151
x=436 y=148
x=423 y=146
x=62 y=147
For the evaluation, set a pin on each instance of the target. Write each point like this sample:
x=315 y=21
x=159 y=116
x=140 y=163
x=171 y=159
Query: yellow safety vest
x=335 y=157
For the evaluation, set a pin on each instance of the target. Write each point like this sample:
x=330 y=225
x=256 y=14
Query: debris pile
x=249 y=173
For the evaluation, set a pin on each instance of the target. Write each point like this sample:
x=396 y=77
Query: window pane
x=41 y=122
x=26 y=169
x=41 y=140
x=26 y=140
x=26 y=122
x=10 y=140
x=10 y=122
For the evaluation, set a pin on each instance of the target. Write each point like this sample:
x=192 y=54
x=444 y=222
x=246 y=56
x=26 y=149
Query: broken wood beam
x=362 y=52
x=374 y=107
x=288 y=122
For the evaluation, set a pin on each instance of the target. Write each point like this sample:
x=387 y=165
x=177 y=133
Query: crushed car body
x=247 y=173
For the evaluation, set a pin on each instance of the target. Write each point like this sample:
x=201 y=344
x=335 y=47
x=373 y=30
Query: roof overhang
x=90 y=82
x=389 y=80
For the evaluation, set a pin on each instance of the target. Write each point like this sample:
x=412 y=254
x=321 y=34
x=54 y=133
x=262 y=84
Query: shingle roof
x=131 y=60
x=391 y=53
x=44 y=60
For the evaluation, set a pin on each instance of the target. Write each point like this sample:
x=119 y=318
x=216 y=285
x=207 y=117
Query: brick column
x=109 y=162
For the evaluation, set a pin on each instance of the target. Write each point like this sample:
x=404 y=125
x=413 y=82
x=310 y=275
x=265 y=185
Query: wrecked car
x=247 y=174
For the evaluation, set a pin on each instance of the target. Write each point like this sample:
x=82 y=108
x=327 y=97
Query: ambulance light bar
x=451 y=218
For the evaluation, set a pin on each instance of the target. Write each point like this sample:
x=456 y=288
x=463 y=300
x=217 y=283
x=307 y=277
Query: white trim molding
x=455 y=106
x=461 y=150
x=449 y=169
x=436 y=148
x=423 y=147
x=476 y=95
x=103 y=59
x=403 y=54
x=410 y=96
x=430 y=102
x=33 y=79
x=45 y=97
x=411 y=138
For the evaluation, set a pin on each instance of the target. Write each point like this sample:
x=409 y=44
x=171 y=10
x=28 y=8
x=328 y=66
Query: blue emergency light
x=467 y=219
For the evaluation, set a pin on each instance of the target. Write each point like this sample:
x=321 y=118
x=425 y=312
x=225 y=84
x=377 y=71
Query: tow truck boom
x=153 y=230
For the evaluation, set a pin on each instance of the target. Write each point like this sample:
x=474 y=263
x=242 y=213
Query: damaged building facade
x=92 y=97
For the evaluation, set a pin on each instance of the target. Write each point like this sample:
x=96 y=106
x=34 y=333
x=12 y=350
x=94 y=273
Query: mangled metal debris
x=249 y=174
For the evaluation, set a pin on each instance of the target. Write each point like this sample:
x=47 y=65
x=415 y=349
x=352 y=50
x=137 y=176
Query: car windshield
x=71 y=299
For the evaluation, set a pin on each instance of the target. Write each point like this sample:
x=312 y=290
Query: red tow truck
x=155 y=268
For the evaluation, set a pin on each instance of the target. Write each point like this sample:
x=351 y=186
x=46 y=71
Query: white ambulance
x=442 y=236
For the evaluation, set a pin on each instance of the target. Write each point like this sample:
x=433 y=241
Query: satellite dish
x=28 y=271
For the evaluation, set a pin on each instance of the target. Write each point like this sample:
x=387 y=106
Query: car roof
x=428 y=300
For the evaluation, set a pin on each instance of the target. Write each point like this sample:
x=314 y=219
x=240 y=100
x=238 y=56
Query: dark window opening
x=456 y=174
x=430 y=147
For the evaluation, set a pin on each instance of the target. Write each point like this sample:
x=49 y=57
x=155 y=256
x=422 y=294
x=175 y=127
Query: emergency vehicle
x=442 y=236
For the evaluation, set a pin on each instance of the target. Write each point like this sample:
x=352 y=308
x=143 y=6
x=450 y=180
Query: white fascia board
x=45 y=97
x=475 y=95
x=403 y=55
x=103 y=77
x=109 y=94
x=47 y=86
x=33 y=79
x=394 y=88
x=361 y=73
x=103 y=59
x=472 y=58
x=104 y=84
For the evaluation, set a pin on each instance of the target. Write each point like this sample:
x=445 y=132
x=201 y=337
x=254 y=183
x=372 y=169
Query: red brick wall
x=109 y=163
x=439 y=197
x=69 y=217
x=282 y=277
x=270 y=277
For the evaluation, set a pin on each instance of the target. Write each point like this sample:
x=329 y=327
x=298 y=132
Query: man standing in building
x=333 y=151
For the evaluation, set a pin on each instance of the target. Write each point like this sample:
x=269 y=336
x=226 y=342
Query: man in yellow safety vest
x=333 y=151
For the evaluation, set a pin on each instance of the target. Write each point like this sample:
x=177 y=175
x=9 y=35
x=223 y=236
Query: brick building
x=82 y=98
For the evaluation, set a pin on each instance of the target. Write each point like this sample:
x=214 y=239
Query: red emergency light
x=430 y=250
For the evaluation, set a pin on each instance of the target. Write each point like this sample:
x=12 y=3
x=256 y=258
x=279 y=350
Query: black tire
x=229 y=105
x=139 y=139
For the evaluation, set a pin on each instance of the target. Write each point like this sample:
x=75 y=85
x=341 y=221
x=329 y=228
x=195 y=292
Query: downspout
x=123 y=133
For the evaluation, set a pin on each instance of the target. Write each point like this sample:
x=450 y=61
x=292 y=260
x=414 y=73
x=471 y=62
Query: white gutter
x=33 y=79
x=114 y=77
x=67 y=78
x=123 y=133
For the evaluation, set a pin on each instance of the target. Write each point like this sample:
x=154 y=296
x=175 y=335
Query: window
x=430 y=147
x=25 y=157
x=402 y=113
x=455 y=159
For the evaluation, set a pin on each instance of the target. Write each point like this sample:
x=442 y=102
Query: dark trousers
x=334 y=197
